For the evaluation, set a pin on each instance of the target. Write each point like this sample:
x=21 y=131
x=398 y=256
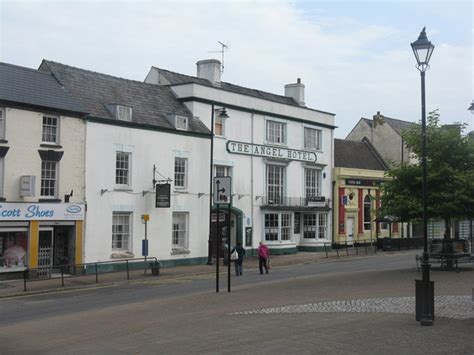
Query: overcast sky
x=354 y=57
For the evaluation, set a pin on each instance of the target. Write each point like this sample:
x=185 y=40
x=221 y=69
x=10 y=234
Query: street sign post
x=222 y=196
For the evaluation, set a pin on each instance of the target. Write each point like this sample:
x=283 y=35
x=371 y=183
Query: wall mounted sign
x=163 y=199
x=266 y=151
x=316 y=201
x=248 y=236
x=363 y=182
x=41 y=211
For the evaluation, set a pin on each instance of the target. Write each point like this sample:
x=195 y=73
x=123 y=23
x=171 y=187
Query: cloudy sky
x=354 y=57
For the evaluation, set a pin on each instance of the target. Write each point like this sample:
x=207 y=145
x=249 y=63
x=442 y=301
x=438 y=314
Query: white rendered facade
x=271 y=215
x=114 y=227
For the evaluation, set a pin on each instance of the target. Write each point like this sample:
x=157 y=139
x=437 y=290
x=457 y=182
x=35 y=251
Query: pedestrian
x=263 y=257
x=238 y=259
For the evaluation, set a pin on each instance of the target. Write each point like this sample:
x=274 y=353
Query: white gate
x=44 y=261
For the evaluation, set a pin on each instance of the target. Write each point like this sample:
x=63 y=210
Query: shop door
x=45 y=253
x=350 y=230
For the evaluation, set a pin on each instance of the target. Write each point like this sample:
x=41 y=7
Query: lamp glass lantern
x=423 y=49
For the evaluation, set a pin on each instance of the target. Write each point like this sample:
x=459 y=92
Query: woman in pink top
x=263 y=255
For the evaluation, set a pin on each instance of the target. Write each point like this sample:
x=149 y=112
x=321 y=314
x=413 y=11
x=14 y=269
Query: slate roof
x=177 y=78
x=357 y=155
x=151 y=104
x=397 y=125
x=26 y=86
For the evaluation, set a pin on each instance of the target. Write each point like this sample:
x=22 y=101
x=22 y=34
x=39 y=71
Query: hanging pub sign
x=266 y=151
x=163 y=192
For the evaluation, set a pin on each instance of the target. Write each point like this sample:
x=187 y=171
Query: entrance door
x=45 y=253
x=350 y=230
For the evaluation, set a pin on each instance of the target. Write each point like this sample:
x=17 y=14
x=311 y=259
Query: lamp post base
x=424 y=292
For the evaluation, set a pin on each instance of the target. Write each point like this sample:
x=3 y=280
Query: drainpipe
x=251 y=186
x=333 y=211
x=209 y=242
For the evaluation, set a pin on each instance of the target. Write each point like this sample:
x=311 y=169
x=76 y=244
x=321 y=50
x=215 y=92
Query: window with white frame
x=180 y=173
x=123 y=168
x=124 y=113
x=222 y=170
x=312 y=181
x=179 y=239
x=219 y=126
x=2 y=122
x=286 y=226
x=271 y=226
x=49 y=178
x=276 y=132
x=367 y=212
x=309 y=225
x=121 y=230
x=322 y=225
x=275 y=183
x=278 y=226
x=315 y=225
x=181 y=122
x=312 y=138
x=50 y=129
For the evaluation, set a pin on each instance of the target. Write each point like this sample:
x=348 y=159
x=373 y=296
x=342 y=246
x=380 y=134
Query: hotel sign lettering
x=266 y=151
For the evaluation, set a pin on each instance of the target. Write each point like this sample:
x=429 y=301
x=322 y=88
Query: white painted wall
x=148 y=148
x=239 y=128
x=24 y=133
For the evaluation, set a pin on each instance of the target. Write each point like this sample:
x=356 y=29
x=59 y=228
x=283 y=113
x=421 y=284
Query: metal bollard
x=128 y=272
x=96 y=274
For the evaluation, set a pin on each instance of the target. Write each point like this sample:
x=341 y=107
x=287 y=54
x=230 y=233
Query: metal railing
x=69 y=271
x=365 y=246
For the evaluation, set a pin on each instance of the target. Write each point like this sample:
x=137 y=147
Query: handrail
x=150 y=263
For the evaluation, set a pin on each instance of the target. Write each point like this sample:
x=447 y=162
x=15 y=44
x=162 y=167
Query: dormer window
x=181 y=123
x=123 y=113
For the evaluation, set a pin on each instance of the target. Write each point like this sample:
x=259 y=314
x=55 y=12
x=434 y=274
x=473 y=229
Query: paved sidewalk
x=13 y=288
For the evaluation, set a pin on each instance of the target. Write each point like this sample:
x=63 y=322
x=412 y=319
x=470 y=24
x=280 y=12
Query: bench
x=447 y=253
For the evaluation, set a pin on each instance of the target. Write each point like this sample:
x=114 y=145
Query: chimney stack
x=209 y=69
x=296 y=91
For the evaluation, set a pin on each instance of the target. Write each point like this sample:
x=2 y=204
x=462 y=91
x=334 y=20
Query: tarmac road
x=186 y=315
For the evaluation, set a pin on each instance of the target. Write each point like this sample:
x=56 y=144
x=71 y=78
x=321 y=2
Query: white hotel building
x=278 y=152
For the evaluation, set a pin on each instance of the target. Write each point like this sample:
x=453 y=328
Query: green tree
x=450 y=175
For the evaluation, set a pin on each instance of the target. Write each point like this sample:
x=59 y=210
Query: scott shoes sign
x=41 y=211
x=271 y=152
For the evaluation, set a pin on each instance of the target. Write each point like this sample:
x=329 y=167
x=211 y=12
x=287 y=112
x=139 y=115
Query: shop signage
x=41 y=211
x=316 y=201
x=271 y=152
x=163 y=193
x=363 y=182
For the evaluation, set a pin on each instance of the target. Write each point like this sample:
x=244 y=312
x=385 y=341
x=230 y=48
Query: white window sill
x=181 y=191
x=123 y=188
x=122 y=254
x=220 y=137
x=176 y=251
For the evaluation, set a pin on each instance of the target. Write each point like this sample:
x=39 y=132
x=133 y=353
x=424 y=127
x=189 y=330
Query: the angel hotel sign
x=271 y=151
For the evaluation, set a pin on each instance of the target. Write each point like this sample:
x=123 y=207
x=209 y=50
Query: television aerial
x=224 y=48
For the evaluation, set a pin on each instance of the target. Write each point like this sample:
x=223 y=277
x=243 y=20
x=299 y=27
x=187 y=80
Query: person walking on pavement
x=240 y=258
x=263 y=256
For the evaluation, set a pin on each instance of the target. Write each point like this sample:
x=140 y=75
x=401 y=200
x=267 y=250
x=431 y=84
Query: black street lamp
x=222 y=114
x=422 y=48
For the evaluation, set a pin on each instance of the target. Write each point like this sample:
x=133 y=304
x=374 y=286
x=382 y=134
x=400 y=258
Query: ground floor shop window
x=315 y=225
x=121 y=230
x=278 y=226
x=13 y=247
